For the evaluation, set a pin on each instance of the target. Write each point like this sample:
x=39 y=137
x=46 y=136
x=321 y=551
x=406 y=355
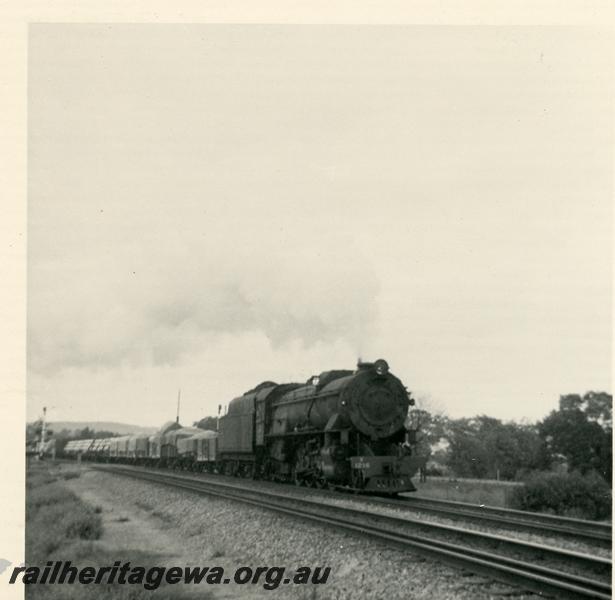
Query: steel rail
x=516 y=572
x=581 y=530
x=590 y=532
x=544 y=551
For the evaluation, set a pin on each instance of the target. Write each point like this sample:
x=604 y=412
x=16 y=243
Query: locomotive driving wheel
x=322 y=484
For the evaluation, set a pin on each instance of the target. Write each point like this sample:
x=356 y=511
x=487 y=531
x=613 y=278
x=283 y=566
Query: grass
x=60 y=526
x=475 y=491
x=54 y=517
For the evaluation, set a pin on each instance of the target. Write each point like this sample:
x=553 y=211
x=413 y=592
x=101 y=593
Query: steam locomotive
x=341 y=429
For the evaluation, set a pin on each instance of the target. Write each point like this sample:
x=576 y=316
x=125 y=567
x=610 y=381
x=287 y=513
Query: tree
x=33 y=432
x=431 y=429
x=599 y=408
x=467 y=453
x=582 y=431
x=484 y=447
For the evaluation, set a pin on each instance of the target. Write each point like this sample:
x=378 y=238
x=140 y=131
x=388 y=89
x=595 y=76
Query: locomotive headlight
x=381 y=366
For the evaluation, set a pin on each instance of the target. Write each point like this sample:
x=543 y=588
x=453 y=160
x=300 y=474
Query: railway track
x=599 y=534
x=576 y=576
x=590 y=532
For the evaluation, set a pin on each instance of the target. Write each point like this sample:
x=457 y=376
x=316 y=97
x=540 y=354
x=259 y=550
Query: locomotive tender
x=342 y=429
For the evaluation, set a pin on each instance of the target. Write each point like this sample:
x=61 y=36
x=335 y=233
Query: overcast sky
x=213 y=206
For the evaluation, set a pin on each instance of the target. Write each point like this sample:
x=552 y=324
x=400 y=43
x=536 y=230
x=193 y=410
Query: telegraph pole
x=41 y=449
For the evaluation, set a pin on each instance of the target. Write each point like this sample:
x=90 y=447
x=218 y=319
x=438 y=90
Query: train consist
x=341 y=429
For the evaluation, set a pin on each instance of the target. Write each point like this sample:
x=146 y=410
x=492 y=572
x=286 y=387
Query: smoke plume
x=154 y=307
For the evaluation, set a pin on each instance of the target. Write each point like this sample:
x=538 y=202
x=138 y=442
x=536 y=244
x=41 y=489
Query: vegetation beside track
x=61 y=526
x=566 y=494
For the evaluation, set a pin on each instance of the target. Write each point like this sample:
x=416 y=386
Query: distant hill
x=119 y=428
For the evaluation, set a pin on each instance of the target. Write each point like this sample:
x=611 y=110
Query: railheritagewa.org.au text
x=64 y=572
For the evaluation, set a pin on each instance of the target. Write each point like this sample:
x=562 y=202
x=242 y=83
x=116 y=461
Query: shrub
x=82 y=522
x=568 y=494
